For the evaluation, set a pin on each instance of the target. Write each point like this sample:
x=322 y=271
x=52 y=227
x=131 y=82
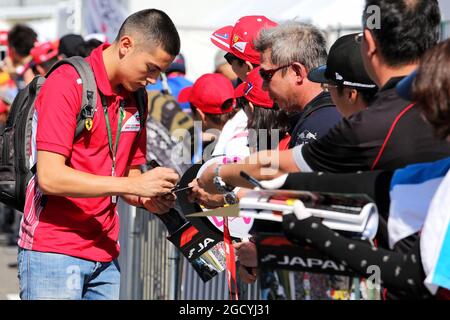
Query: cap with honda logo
x=238 y=39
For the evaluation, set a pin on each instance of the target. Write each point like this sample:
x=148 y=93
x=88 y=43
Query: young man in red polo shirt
x=70 y=229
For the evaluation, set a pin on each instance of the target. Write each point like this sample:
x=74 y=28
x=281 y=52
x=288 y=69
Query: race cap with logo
x=209 y=93
x=344 y=66
x=252 y=90
x=44 y=52
x=238 y=39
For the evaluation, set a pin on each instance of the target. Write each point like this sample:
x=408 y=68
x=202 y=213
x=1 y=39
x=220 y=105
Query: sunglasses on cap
x=267 y=75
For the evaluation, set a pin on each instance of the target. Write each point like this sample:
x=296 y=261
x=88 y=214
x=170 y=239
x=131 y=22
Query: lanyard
x=113 y=148
x=231 y=262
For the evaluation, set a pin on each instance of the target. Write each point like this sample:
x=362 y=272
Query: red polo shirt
x=83 y=228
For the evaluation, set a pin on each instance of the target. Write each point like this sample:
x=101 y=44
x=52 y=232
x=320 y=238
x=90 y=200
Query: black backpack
x=15 y=140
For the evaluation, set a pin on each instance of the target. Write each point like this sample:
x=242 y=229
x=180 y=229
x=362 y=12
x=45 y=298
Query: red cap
x=252 y=90
x=238 y=40
x=3 y=38
x=209 y=93
x=44 y=52
x=3 y=107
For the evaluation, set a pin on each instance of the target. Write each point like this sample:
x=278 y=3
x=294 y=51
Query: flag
x=435 y=240
x=103 y=16
x=412 y=190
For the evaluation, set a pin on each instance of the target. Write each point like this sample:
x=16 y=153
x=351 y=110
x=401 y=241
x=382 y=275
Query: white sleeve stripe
x=300 y=161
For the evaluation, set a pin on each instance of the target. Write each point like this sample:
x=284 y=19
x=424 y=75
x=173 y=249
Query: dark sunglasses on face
x=267 y=75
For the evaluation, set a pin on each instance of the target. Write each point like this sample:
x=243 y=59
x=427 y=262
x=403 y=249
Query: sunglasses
x=267 y=75
x=326 y=86
x=230 y=58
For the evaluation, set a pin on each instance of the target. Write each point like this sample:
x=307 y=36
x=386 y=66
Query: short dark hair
x=368 y=95
x=265 y=119
x=408 y=28
x=219 y=119
x=22 y=38
x=155 y=27
x=431 y=88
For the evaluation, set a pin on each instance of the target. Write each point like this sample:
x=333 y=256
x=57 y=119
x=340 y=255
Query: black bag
x=16 y=138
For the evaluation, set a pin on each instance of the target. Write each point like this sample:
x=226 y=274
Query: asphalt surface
x=9 y=284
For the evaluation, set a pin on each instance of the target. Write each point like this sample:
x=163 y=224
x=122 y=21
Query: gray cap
x=219 y=59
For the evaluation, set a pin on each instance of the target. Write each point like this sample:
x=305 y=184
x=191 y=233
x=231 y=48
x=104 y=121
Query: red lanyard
x=231 y=262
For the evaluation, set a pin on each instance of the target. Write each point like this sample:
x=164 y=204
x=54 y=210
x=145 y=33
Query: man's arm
x=265 y=165
x=57 y=179
x=132 y=200
x=157 y=204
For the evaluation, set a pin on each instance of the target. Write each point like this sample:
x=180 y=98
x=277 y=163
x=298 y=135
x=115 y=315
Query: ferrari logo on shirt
x=89 y=123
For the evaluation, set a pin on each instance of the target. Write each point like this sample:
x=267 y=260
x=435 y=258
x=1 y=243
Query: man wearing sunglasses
x=391 y=133
x=345 y=78
x=288 y=53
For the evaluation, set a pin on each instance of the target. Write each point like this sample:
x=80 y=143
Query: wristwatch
x=230 y=198
x=220 y=185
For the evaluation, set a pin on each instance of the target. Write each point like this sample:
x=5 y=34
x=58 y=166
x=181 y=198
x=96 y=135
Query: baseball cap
x=44 y=52
x=3 y=38
x=178 y=64
x=219 y=59
x=238 y=39
x=252 y=90
x=70 y=44
x=3 y=107
x=209 y=93
x=344 y=66
x=404 y=87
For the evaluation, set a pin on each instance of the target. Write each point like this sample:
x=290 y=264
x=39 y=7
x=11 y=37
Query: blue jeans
x=49 y=276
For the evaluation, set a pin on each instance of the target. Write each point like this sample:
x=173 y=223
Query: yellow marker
x=290 y=202
x=89 y=124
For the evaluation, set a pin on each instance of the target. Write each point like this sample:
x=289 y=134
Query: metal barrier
x=152 y=268
x=445 y=30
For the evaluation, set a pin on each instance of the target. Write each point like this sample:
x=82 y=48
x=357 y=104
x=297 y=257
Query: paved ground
x=9 y=284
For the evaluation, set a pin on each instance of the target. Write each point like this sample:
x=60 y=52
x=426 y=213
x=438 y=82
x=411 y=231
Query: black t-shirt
x=316 y=120
x=354 y=144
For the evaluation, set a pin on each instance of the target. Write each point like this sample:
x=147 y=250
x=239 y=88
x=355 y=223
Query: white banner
x=103 y=16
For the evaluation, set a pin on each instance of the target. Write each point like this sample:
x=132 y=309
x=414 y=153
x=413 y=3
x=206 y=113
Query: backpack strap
x=89 y=96
x=310 y=111
x=141 y=97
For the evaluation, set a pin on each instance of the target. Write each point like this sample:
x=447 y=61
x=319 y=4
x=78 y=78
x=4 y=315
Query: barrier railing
x=152 y=268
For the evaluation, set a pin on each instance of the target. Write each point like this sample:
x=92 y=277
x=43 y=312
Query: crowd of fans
x=278 y=100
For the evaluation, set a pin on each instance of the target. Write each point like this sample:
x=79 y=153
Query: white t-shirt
x=233 y=140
